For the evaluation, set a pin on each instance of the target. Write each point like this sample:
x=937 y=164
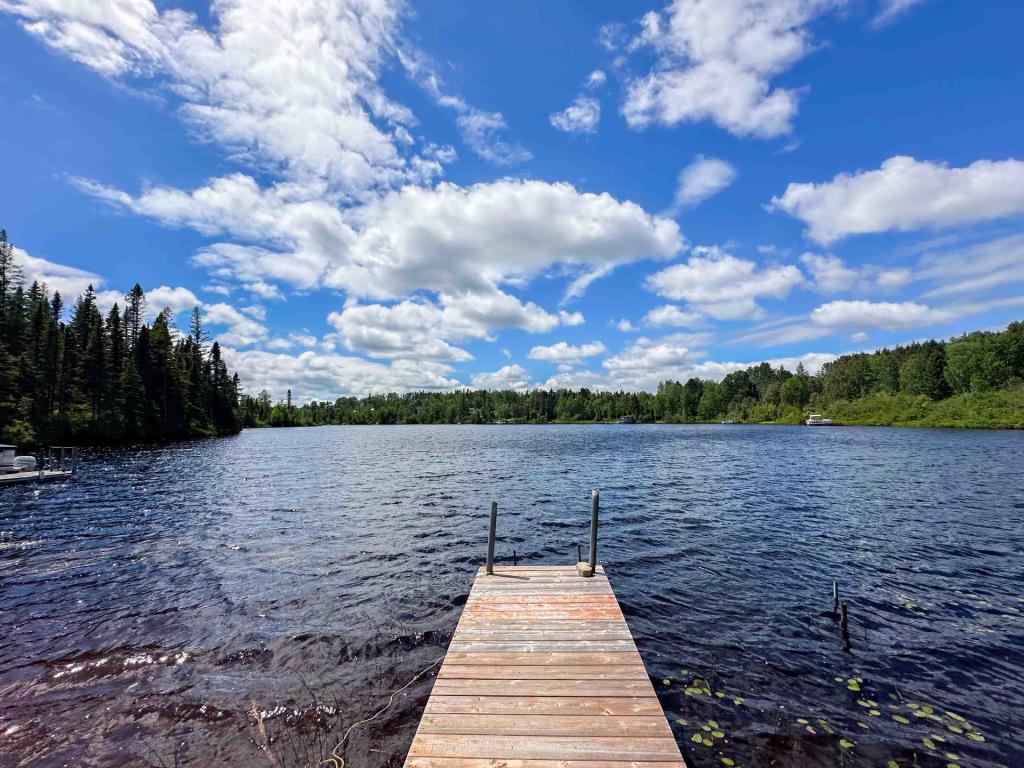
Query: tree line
x=101 y=379
x=975 y=363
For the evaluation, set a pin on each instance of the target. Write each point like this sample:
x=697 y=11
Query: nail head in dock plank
x=542 y=672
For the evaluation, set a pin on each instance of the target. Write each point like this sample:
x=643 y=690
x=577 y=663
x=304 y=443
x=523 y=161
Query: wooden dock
x=542 y=672
x=34 y=476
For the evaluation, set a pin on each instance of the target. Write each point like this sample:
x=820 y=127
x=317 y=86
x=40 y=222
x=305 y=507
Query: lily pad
x=901 y=719
x=846 y=744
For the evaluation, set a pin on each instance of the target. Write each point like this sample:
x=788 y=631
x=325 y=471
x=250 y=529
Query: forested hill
x=971 y=381
x=96 y=379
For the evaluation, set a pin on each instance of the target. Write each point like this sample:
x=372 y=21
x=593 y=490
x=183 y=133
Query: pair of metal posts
x=595 y=505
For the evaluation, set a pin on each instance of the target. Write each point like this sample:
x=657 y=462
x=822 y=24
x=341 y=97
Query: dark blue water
x=150 y=608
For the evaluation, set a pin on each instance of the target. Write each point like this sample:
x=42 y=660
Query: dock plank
x=542 y=672
x=463 y=762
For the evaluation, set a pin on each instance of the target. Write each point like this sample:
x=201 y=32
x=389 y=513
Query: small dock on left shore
x=60 y=463
x=35 y=476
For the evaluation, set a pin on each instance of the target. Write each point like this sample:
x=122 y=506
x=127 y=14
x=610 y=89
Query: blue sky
x=374 y=195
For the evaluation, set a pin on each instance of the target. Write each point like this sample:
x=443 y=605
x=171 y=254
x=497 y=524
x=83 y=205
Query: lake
x=150 y=606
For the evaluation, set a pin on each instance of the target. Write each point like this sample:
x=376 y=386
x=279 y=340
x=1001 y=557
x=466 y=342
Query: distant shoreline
x=996 y=410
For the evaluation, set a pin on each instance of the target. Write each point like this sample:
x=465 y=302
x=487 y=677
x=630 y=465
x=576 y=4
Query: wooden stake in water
x=844 y=623
x=835 y=597
x=490 y=537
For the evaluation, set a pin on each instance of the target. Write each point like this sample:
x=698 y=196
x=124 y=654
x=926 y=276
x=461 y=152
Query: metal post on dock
x=595 y=502
x=589 y=568
x=490 y=537
x=74 y=461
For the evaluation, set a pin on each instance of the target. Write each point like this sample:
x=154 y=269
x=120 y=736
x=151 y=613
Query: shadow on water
x=188 y=604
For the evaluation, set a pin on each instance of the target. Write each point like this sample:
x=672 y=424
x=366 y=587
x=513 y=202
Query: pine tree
x=10 y=279
x=134 y=313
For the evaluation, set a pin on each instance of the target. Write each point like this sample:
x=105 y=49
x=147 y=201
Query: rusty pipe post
x=595 y=503
x=490 y=537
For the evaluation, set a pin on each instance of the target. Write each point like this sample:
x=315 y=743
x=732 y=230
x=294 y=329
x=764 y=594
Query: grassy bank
x=999 y=409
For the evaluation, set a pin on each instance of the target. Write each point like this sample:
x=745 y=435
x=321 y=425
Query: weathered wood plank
x=540 y=672
x=607 y=688
x=543 y=705
x=538 y=659
x=471 y=762
x=545 y=747
x=533 y=636
x=605 y=646
x=644 y=726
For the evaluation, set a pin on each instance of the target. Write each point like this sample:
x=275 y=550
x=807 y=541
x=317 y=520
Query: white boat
x=815 y=420
x=7 y=459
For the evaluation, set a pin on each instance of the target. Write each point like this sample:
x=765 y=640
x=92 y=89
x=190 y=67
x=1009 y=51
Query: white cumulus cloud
x=563 y=352
x=582 y=116
x=507 y=377
x=68 y=281
x=312 y=375
x=242 y=330
x=701 y=179
x=177 y=299
x=888 y=315
x=669 y=314
x=830 y=274
x=906 y=194
x=716 y=60
x=237 y=83
x=723 y=286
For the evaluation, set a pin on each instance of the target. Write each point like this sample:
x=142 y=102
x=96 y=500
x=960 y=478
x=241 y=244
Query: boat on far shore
x=815 y=420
